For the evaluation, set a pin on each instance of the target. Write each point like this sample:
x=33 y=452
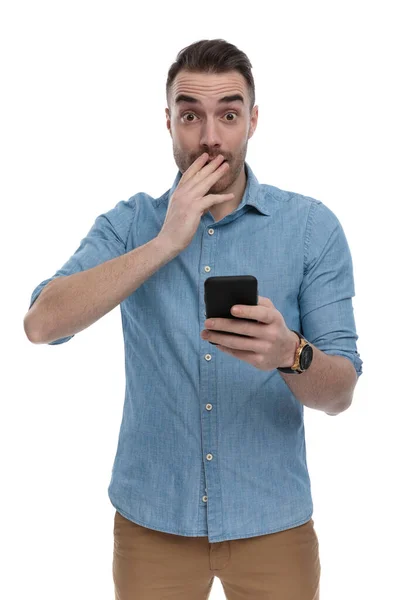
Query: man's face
x=208 y=125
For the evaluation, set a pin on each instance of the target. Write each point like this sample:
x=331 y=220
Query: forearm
x=72 y=303
x=327 y=385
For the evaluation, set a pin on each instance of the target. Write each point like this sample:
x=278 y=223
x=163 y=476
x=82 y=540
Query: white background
x=82 y=127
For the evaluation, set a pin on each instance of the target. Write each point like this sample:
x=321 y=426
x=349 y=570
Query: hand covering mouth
x=208 y=162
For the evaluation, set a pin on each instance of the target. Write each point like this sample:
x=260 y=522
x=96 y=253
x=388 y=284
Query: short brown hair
x=212 y=56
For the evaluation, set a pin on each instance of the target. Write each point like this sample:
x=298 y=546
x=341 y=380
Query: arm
x=101 y=273
x=328 y=384
x=327 y=317
x=98 y=276
x=69 y=304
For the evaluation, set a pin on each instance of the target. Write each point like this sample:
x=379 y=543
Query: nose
x=210 y=137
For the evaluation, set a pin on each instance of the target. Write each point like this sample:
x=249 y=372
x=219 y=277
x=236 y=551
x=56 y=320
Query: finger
x=213 y=199
x=239 y=326
x=207 y=175
x=258 y=312
x=235 y=342
x=195 y=166
x=265 y=301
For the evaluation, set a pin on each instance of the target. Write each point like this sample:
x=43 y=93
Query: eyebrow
x=225 y=99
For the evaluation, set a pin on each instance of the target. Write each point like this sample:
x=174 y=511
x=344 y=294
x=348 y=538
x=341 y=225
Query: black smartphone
x=221 y=293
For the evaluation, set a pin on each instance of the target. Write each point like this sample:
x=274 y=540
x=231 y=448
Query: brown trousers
x=153 y=565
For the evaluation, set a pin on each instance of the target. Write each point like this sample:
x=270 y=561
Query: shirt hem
x=218 y=538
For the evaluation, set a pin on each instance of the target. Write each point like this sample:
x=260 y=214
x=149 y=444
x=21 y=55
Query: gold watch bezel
x=299 y=350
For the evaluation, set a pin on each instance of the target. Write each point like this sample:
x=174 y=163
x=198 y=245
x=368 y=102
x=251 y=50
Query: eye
x=186 y=114
x=231 y=113
x=192 y=114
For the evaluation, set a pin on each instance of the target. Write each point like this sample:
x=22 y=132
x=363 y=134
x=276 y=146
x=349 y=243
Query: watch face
x=306 y=357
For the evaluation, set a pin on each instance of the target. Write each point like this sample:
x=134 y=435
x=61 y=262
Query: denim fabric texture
x=209 y=445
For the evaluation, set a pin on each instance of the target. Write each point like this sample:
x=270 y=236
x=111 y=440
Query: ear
x=167 y=115
x=253 y=121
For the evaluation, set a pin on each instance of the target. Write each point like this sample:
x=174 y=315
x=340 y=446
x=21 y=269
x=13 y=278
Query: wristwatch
x=303 y=357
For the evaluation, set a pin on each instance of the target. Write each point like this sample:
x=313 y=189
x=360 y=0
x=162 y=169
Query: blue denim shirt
x=209 y=445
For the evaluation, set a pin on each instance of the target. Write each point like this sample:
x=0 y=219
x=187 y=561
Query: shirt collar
x=254 y=194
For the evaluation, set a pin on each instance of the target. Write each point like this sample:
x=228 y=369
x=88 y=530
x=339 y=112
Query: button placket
x=208 y=357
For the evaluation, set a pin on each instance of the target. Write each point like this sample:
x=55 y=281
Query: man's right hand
x=188 y=203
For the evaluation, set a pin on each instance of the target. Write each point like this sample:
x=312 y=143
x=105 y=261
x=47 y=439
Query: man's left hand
x=270 y=344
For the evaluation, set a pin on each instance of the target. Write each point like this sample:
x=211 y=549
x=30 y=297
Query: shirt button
x=208 y=357
x=208 y=406
x=207 y=269
x=209 y=456
x=211 y=231
x=205 y=498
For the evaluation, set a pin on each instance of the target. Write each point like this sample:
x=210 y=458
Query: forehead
x=208 y=87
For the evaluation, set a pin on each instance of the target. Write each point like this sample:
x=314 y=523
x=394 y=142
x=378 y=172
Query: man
x=210 y=476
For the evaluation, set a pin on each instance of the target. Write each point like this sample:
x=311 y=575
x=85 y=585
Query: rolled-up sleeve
x=105 y=240
x=327 y=288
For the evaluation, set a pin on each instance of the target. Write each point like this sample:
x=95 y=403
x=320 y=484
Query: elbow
x=36 y=318
x=31 y=333
x=338 y=411
x=347 y=397
x=342 y=406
